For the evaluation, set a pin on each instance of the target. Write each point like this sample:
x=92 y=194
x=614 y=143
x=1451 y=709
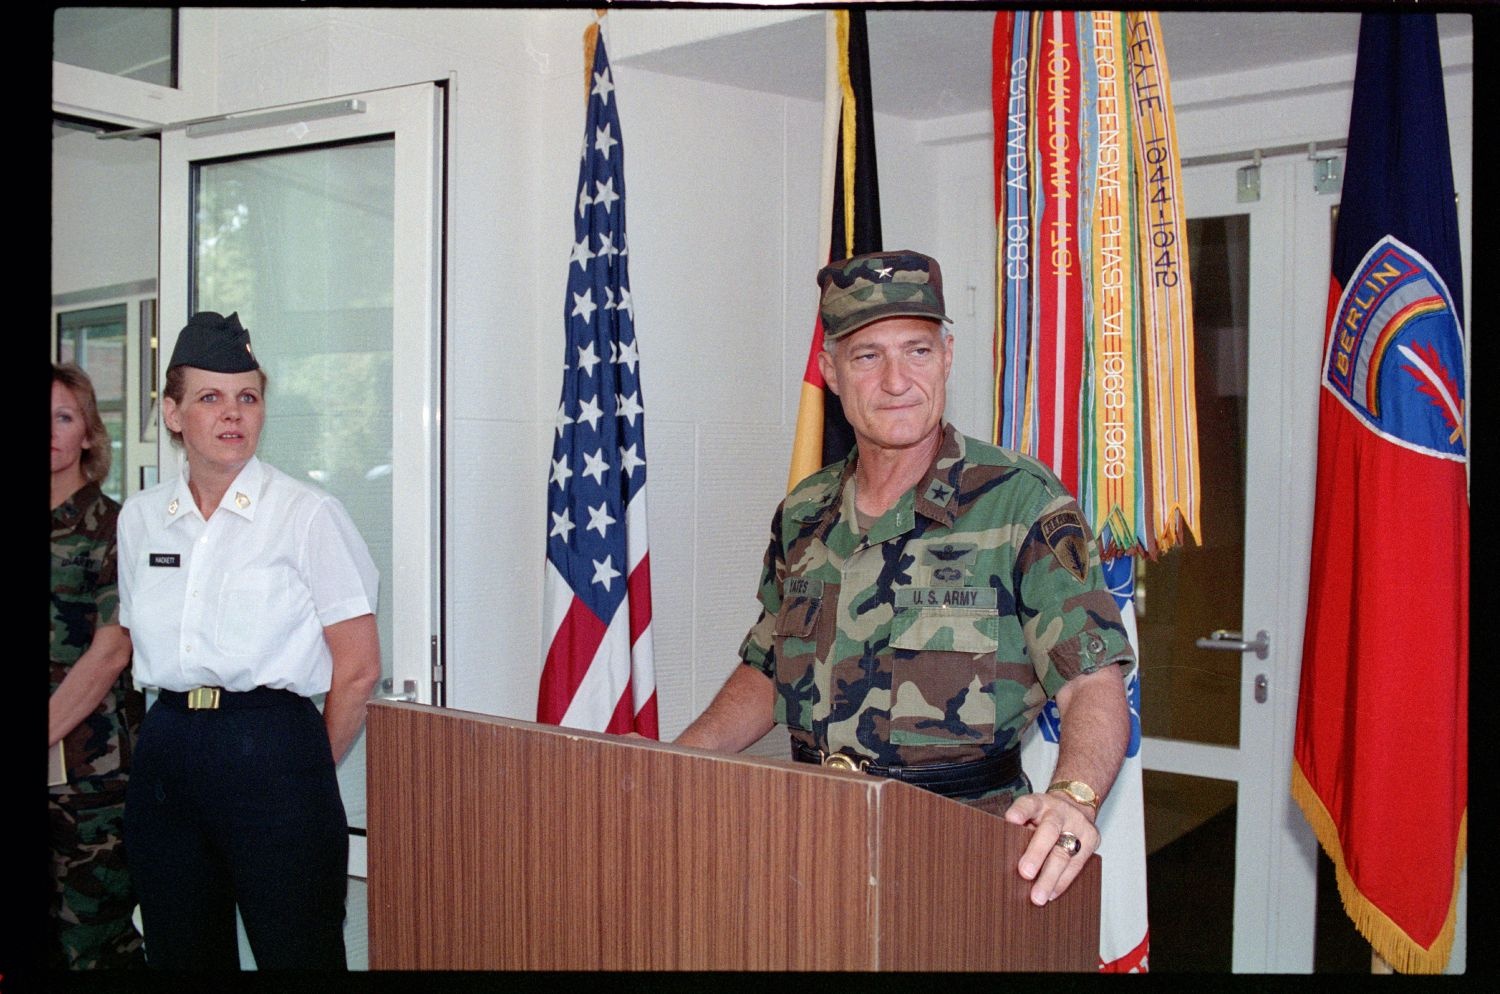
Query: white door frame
x=414 y=115
x=1275 y=887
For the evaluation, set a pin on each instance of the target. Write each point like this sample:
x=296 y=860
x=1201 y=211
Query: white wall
x=722 y=255
x=722 y=238
x=103 y=212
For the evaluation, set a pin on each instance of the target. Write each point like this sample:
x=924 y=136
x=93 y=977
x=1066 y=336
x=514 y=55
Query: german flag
x=851 y=225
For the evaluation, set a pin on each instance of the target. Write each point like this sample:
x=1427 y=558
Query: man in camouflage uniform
x=92 y=898
x=922 y=599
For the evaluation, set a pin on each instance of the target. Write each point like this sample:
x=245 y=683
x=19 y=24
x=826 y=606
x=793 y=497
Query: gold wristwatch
x=1078 y=791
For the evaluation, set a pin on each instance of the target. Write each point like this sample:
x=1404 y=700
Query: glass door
x=1220 y=623
x=319 y=225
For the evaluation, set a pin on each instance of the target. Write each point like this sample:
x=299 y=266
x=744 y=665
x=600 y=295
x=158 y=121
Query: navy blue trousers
x=238 y=806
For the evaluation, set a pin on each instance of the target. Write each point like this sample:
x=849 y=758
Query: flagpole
x=590 y=40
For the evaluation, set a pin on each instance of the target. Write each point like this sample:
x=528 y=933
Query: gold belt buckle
x=203 y=699
x=839 y=761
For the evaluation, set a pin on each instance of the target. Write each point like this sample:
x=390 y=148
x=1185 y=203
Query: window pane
x=301 y=245
x=134 y=42
x=1188 y=693
x=113 y=485
x=94 y=338
x=1190 y=852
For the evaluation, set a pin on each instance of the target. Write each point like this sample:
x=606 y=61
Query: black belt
x=948 y=779
x=218 y=699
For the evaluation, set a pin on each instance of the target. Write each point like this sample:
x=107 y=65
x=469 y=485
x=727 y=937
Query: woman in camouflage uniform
x=94 y=712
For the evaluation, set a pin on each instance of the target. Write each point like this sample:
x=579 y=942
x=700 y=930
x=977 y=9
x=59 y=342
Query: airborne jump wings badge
x=1064 y=532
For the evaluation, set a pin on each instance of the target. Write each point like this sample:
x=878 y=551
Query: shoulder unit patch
x=1064 y=532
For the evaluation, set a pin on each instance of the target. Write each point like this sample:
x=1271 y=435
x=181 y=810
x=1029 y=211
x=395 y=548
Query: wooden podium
x=497 y=844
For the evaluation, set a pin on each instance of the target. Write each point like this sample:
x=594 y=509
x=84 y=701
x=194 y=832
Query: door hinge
x=439 y=687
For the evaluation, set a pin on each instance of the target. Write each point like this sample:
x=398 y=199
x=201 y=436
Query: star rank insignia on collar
x=240 y=500
x=938 y=493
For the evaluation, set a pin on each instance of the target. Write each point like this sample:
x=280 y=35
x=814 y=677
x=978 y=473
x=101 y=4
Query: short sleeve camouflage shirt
x=937 y=636
x=84 y=597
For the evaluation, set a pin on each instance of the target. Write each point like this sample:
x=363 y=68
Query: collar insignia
x=939 y=493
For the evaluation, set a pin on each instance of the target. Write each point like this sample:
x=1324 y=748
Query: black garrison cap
x=213 y=342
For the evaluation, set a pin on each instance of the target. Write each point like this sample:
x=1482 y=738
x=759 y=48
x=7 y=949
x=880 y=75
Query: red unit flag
x=1382 y=721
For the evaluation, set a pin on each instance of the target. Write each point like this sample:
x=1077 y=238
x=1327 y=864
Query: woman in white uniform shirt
x=246 y=593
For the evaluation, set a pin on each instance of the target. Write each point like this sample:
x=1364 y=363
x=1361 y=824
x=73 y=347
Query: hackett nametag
x=977 y=597
x=166 y=559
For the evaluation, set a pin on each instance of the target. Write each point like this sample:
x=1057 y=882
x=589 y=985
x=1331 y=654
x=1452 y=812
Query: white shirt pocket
x=258 y=610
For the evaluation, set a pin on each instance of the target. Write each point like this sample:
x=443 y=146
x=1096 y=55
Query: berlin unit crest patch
x=1395 y=354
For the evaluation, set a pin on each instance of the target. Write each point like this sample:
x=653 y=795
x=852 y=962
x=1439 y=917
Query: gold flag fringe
x=1386 y=938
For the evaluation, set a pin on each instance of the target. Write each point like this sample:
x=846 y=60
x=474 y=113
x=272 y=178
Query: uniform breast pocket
x=155 y=598
x=75 y=576
x=258 y=608
x=943 y=671
x=796 y=642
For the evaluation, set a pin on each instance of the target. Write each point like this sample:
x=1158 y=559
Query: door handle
x=408 y=690
x=1227 y=641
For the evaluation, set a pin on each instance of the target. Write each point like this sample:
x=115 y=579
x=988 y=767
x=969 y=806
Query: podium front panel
x=497 y=844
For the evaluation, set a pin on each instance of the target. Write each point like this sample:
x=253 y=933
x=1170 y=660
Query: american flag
x=598 y=672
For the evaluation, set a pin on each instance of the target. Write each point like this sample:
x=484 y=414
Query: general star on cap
x=885 y=273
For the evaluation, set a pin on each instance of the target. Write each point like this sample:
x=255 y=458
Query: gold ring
x=1068 y=843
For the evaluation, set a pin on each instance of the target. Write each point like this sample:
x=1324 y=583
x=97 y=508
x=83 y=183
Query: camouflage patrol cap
x=213 y=342
x=876 y=285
